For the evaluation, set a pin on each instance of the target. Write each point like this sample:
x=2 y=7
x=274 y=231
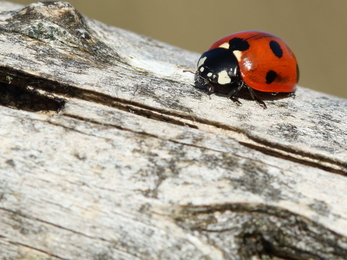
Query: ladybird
x=255 y=61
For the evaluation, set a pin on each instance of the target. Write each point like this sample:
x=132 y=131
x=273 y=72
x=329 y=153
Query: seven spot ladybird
x=252 y=60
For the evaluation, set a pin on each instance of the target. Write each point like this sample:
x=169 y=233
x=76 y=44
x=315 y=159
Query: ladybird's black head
x=217 y=67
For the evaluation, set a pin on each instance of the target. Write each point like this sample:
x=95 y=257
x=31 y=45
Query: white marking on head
x=223 y=78
x=202 y=69
x=225 y=45
x=209 y=74
x=238 y=55
x=201 y=61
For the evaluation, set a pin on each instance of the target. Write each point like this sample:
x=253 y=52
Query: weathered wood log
x=108 y=152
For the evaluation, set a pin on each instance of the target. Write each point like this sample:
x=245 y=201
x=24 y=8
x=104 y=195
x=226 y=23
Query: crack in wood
x=319 y=162
x=57 y=91
x=30 y=99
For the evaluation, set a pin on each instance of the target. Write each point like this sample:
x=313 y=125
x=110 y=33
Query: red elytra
x=258 y=60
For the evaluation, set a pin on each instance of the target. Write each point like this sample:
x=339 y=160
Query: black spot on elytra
x=270 y=76
x=276 y=49
x=297 y=73
x=238 y=44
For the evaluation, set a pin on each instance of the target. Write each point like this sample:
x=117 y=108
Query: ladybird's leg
x=292 y=94
x=233 y=92
x=255 y=98
x=210 y=88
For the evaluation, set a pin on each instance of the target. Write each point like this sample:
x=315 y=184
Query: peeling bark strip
x=108 y=152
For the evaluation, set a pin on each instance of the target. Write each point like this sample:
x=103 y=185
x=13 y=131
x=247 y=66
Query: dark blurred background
x=315 y=30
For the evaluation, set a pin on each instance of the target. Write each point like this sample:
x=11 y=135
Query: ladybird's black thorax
x=217 y=67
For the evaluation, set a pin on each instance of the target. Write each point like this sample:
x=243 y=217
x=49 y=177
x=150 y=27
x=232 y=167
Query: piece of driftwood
x=108 y=152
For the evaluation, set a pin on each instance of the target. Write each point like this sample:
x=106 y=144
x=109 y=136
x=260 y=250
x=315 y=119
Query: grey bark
x=108 y=152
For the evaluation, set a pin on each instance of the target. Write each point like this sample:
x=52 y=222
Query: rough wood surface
x=108 y=152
